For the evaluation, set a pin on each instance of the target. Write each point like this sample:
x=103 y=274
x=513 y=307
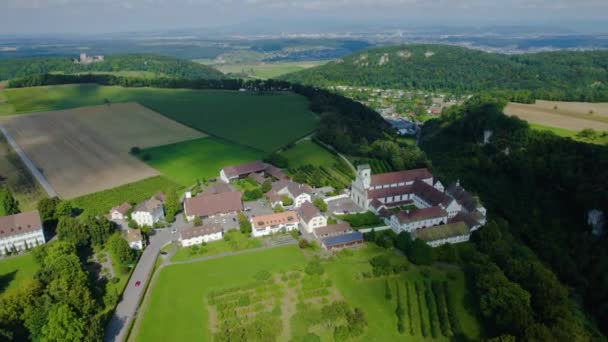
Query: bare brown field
x=86 y=150
x=574 y=116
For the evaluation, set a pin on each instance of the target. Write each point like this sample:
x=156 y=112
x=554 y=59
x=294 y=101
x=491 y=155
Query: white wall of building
x=197 y=240
x=412 y=226
x=139 y=245
x=453 y=239
x=18 y=241
x=314 y=223
x=273 y=229
x=144 y=218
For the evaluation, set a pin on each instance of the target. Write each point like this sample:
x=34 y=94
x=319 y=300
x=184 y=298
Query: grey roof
x=244 y=169
x=149 y=206
x=461 y=196
x=20 y=224
x=203 y=230
x=342 y=239
x=308 y=211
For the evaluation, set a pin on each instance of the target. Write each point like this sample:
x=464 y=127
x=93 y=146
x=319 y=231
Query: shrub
x=432 y=307
x=451 y=308
x=303 y=243
x=262 y=275
x=442 y=311
x=146 y=157
x=314 y=267
x=135 y=150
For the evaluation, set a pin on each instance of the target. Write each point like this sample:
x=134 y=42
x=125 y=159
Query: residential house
x=235 y=172
x=310 y=217
x=134 y=238
x=299 y=193
x=20 y=232
x=342 y=241
x=409 y=221
x=273 y=223
x=274 y=199
x=198 y=235
x=120 y=212
x=210 y=204
x=332 y=230
x=149 y=212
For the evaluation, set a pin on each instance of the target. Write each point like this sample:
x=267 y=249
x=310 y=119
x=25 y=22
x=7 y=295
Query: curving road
x=29 y=164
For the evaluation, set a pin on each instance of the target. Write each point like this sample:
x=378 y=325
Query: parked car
x=137 y=283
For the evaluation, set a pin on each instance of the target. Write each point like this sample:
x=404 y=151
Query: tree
x=266 y=186
x=72 y=230
x=277 y=160
x=197 y=221
x=286 y=200
x=420 y=253
x=244 y=224
x=8 y=204
x=135 y=150
x=46 y=207
x=171 y=206
x=387 y=290
x=120 y=249
x=99 y=230
x=64 y=209
x=63 y=325
x=320 y=204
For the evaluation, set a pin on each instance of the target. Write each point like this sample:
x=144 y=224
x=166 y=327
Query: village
x=411 y=201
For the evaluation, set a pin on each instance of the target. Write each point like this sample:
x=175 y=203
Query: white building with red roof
x=273 y=223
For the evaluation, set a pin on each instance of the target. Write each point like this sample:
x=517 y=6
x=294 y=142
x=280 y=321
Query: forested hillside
x=538 y=189
x=161 y=65
x=580 y=76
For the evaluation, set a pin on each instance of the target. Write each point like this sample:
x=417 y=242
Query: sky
x=104 y=16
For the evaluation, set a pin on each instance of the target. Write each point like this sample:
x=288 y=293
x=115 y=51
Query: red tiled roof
x=203 y=230
x=429 y=194
x=400 y=176
x=273 y=197
x=258 y=177
x=264 y=221
x=276 y=172
x=20 y=224
x=308 y=211
x=389 y=192
x=217 y=188
x=244 y=169
x=421 y=214
x=123 y=208
x=132 y=235
x=213 y=204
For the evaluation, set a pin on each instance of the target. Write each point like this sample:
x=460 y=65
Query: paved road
x=127 y=307
x=29 y=164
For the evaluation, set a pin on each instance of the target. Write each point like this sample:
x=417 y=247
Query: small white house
x=149 y=212
x=198 y=235
x=134 y=238
x=409 y=221
x=120 y=212
x=310 y=217
x=299 y=193
x=273 y=223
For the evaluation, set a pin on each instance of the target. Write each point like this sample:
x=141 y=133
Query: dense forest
x=539 y=190
x=568 y=76
x=161 y=65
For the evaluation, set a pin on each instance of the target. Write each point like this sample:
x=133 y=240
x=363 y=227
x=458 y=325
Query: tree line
x=161 y=65
x=565 y=76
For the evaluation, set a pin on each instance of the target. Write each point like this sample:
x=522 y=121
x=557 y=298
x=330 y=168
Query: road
x=29 y=164
x=127 y=307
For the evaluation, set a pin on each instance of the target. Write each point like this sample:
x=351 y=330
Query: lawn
x=265 y=122
x=101 y=202
x=188 y=161
x=15 y=271
x=266 y=70
x=177 y=309
x=309 y=153
x=179 y=306
x=238 y=242
x=562 y=132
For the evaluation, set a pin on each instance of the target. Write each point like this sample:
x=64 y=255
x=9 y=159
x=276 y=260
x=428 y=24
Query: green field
x=562 y=132
x=101 y=202
x=264 y=122
x=266 y=70
x=16 y=271
x=308 y=152
x=188 y=161
x=179 y=307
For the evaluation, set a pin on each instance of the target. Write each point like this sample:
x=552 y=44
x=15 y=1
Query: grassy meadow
x=264 y=122
x=15 y=271
x=179 y=307
x=238 y=242
x=188 y=161
x=266 y=70
x=562 y=132
x=309 y=153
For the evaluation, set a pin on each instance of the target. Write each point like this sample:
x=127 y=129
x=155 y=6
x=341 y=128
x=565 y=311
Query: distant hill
x=130 y=64
x=564 y=75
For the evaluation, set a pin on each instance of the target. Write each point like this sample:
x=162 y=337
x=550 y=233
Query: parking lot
x=228 y=222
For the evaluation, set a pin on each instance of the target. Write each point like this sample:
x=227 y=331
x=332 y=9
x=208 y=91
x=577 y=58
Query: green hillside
x=581 y=76
x=145 y=64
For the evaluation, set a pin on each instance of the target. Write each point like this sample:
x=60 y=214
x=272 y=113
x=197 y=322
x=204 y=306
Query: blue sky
x=98 y=16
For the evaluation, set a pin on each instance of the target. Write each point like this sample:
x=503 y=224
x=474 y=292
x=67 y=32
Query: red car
x=137 y=283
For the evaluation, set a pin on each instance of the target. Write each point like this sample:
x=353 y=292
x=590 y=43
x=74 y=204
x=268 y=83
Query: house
x=342 y=241
x=258 y=177
x=198 y=235
x=274 y=199
x=332 y=230
x=235 y=172
x=447 y=233
x=310 y=217
x=134 y=238
x=211 y=203
x=20 y=232
x=120 y=212
x=409 y=221
x=256 y=169
x=148 y=213
x=273 y=223
x=299 y=193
